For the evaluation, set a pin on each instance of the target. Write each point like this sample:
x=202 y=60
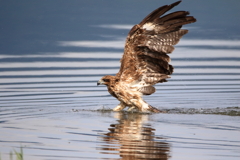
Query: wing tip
x=176 y=3
x=158 y=12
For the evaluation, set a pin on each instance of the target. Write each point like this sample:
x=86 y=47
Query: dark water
x=52 y=53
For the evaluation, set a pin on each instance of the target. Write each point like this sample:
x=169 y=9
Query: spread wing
x=145 y=61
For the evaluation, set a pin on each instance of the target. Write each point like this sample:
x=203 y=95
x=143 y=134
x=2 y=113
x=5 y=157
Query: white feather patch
x=149 y=26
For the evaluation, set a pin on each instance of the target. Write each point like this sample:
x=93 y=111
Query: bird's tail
x=155 y=110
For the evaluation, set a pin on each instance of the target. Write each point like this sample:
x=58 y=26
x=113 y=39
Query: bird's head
x=106 y=80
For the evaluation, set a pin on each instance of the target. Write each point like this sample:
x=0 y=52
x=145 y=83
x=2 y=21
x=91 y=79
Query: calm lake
x=52 y=53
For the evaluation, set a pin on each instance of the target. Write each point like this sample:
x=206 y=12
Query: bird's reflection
x=132 y=139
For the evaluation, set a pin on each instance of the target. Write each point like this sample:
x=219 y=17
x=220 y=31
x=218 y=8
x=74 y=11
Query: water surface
x=53 y=53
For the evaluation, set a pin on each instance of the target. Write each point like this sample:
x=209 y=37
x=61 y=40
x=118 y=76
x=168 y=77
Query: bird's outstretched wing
x=145 y=61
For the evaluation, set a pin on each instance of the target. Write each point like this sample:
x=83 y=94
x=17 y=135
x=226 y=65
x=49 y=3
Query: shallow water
x=50 y=104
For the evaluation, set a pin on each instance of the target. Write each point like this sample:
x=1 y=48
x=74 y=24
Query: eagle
x=145 y=61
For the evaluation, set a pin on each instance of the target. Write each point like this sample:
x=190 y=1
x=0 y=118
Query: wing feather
x=148 y=90
x=158 y=12
x=162 y=43
x=145 y=61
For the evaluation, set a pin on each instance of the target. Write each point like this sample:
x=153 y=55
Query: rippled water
x=51 y=106
x=202 y=78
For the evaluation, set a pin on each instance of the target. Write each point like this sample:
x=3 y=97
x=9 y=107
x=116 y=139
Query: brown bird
x=145 y=61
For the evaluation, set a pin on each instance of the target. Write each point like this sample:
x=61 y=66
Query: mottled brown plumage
x=145 y=61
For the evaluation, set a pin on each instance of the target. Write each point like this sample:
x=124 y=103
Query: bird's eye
x=106 y=80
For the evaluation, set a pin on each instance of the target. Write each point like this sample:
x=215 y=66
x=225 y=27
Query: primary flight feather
x=145 y=61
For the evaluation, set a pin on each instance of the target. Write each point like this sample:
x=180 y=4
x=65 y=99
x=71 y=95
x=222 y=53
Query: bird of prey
x=145 y=61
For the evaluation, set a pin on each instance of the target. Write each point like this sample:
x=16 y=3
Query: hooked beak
x=100 y=82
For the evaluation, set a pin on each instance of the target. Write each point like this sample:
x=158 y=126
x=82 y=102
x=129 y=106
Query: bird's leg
x=119 y=107
x=139 y=104
x=131 y=108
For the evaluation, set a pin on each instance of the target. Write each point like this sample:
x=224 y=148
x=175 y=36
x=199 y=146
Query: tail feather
x=155 y=110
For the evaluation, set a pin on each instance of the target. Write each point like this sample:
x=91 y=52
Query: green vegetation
x=18 y=155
